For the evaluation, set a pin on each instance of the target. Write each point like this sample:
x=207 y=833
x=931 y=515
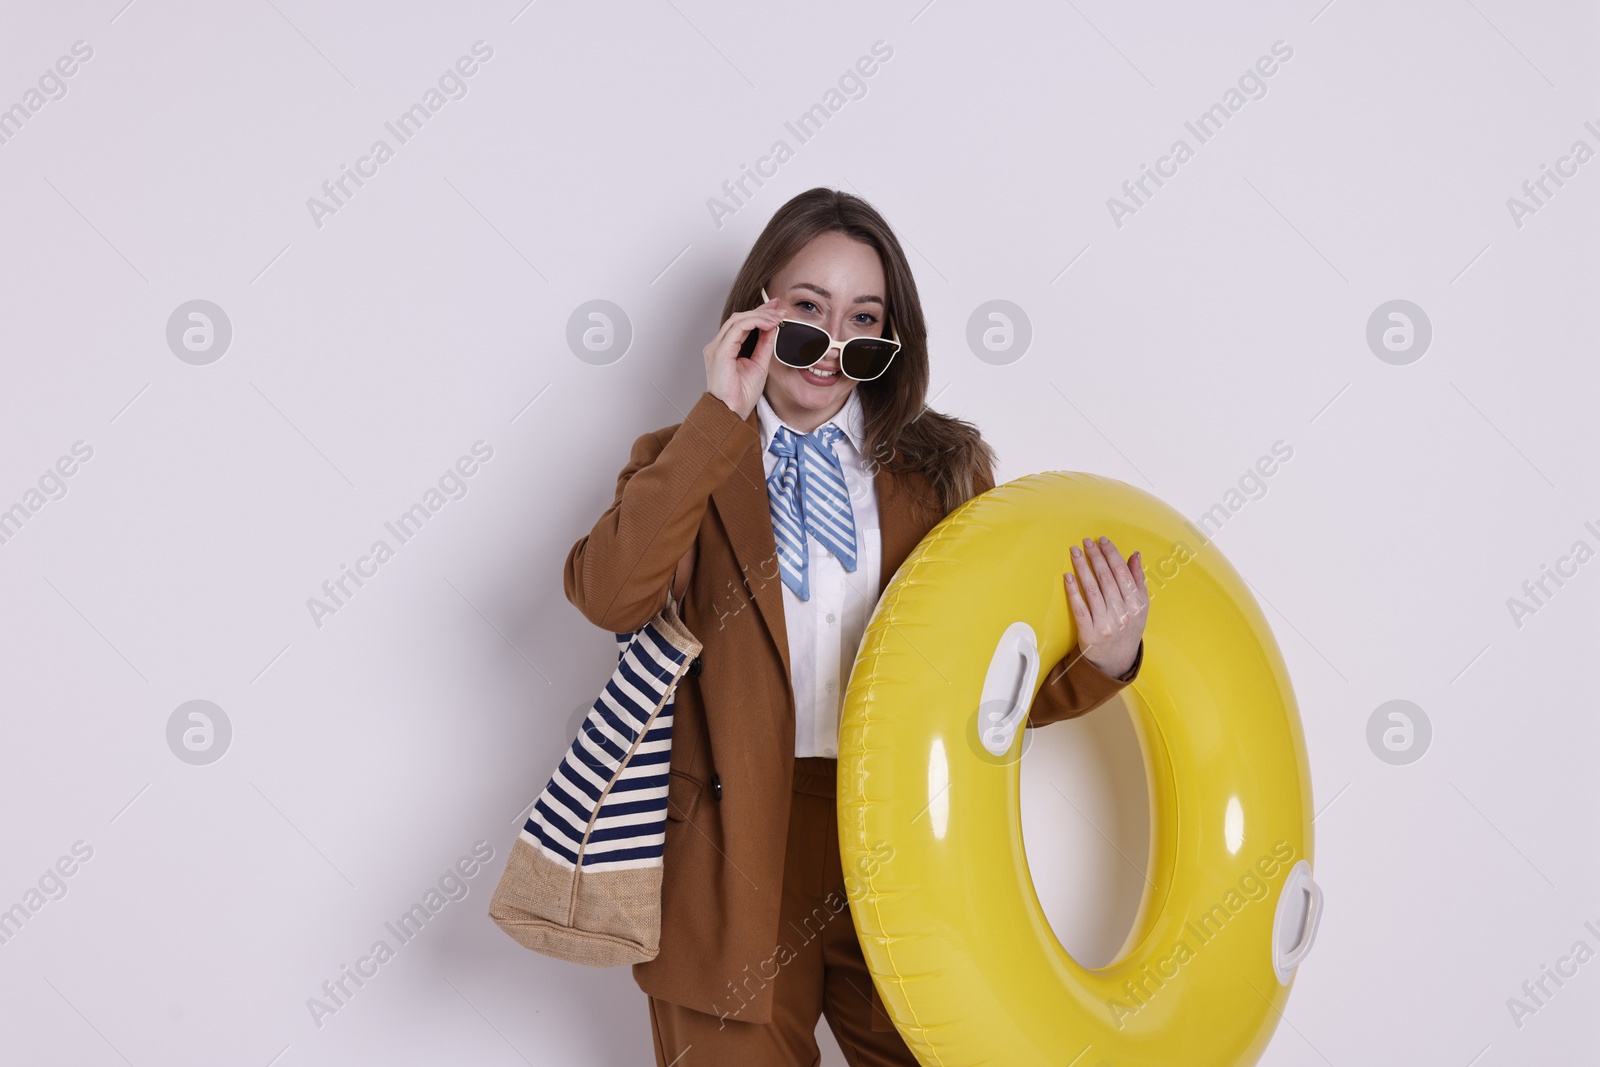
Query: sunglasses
x=802 y=345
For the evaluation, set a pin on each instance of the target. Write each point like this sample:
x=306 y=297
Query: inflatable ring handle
x=1299 y=879
x=1002 y=728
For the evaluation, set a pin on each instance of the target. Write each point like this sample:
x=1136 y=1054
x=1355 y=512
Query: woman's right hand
x=738 y=382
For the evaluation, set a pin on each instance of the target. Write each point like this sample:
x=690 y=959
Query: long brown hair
x=903 y=434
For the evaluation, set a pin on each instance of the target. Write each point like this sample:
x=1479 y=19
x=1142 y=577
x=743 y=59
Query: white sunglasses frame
x=832 y=344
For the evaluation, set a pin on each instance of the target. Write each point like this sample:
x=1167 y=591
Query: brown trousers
x=822 y=973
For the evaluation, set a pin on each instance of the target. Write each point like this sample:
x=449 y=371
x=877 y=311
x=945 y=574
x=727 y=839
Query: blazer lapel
x=741 y=501
x=905 y=514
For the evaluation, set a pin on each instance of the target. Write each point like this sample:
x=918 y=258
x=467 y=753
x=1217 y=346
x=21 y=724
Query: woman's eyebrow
x=820 y=291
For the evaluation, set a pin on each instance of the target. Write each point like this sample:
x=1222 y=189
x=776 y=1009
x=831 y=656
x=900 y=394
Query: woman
x=777 y=509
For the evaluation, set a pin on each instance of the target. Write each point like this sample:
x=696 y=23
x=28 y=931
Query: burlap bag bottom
x=600 y=919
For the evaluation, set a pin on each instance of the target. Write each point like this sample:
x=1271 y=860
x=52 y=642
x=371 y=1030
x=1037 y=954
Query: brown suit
x=695 y=492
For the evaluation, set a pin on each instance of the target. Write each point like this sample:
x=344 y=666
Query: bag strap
x=679 y=586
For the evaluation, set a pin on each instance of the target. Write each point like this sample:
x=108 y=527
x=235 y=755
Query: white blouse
x=825 y=631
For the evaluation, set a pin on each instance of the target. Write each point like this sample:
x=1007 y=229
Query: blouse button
x=830 y=687
x=830 y=616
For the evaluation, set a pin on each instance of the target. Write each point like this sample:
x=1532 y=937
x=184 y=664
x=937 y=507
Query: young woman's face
x=834 y=282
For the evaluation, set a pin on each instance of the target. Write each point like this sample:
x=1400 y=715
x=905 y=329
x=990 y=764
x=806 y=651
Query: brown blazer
x=693 y=499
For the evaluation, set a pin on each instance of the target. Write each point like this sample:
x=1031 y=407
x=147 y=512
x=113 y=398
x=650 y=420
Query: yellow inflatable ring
x=930 y=826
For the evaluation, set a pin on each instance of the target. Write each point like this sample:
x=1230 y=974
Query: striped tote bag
x=583 y=881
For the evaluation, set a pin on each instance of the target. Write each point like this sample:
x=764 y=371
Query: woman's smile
x=818 y=376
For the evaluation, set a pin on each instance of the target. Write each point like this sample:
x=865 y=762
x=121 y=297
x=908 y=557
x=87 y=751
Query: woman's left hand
x=1111 y=623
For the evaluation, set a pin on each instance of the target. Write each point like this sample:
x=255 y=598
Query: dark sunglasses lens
x=800 y=345
x=866 y=358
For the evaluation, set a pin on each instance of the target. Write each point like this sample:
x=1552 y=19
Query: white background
x=430 y=312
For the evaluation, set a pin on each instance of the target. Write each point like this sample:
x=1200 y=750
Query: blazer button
x=694 y=667
x=716 y=787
